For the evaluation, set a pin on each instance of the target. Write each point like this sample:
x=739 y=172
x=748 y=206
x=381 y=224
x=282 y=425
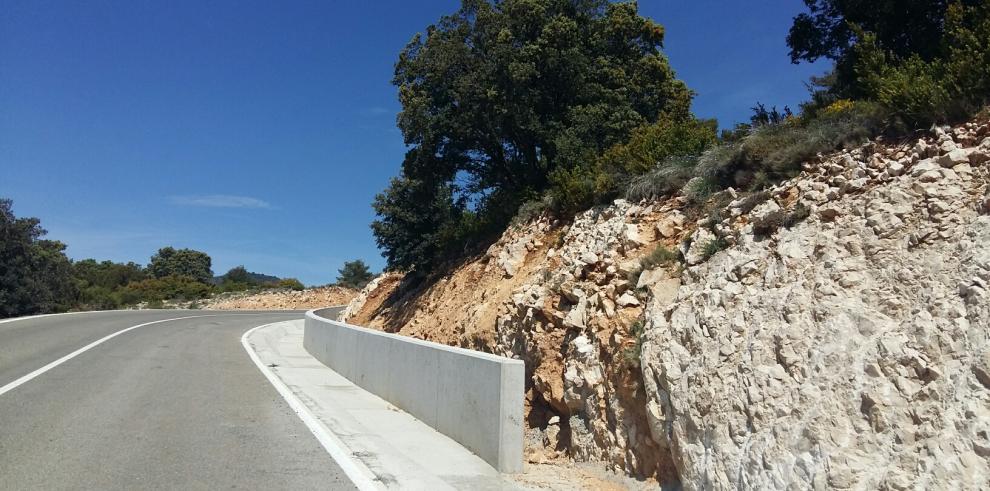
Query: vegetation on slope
x=532 y=106
x=502 y=101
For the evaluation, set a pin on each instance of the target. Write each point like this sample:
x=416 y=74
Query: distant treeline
x=37 y=277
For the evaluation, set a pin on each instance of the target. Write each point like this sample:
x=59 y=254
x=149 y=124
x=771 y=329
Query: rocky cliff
x=830 y=332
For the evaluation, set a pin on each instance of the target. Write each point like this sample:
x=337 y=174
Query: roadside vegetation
x=354 y=275
x=521 y=108
x=36 y=277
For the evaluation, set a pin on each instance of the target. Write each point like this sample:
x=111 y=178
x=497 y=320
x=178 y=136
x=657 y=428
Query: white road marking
x=360 y=475
x=38 y=316
x=27 y=378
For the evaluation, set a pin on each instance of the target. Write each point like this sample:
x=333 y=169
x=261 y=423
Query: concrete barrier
x=474 y=398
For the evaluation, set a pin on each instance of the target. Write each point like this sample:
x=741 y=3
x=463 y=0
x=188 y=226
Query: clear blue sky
x=259 y=131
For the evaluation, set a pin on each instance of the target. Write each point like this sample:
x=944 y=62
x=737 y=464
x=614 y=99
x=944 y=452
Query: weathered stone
x=627 y=300
x=577 y=317
x=650 y=277
x=699 y=242
x=671 y=225
x=954 y=157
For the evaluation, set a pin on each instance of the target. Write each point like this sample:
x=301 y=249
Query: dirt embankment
x=311 y=298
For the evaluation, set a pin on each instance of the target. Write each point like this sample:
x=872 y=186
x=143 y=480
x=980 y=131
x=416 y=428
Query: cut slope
x=781 y=310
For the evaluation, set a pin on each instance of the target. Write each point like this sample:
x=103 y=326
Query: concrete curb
x=472 y=397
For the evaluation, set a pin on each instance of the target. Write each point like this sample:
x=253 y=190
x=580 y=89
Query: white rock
x=627 y=300
x=589 y=257
x=954 y=157
x=671 y=225
x=895 y=169
x=650 y=277
x=631 y=235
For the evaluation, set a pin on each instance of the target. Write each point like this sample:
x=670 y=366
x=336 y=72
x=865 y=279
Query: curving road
x=176 y=404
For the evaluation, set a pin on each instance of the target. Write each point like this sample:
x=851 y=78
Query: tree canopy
x=35 y=274
x=237 y=274
x=924 y=61
x=901 y=28
x=106 y=274
x=502 y=96
x=169 y=261
x=355 y=274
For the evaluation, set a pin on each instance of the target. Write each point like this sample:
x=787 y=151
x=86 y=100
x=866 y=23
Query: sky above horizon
x=259 y=132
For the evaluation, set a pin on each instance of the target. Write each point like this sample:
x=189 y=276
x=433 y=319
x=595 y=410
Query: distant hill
x=256 y=278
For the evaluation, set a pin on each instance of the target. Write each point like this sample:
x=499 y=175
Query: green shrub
x=778 y=151
x=766 y=225
x=651 y=145
x=98 y=298
x=531 y=210
x=234 y=286
x=797 y=216
x=715 y=163
x=127 y=296
x=713 y=247
x=579 y=188
x=291 y=284
x=168 y=288
x=661 y=255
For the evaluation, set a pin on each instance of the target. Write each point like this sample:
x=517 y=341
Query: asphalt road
x=172 y=405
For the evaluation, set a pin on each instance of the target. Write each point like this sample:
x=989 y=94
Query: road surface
x=170 y=405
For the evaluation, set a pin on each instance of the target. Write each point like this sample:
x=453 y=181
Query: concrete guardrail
x=474 y=398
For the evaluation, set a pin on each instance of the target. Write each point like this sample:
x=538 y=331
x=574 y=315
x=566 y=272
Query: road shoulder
x=382 y=442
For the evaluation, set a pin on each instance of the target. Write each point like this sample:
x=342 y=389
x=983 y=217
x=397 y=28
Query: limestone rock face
x=845 y=349
x=849 y=352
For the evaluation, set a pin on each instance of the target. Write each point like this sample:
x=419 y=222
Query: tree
x=182 y=262
x=290 y=284
x=500 y=95
x=924 y=61
x=107 y=274
x=35 y=274
x=237 y=274
x=100 y=283
x=355 y=274
x=412 y=221
x=903 y=28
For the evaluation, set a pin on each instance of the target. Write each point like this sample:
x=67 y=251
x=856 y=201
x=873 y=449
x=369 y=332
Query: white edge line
x=27 y=378
x=232 y=311
x=360 y=475
x=38 y=316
